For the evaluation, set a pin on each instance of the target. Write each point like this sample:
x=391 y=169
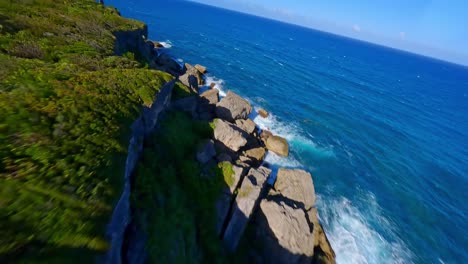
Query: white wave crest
x=219 y=84
x=351 y=234
x=166 y=44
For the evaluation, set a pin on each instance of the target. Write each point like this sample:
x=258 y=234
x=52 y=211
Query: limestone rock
x=256 y=154
x=191 y=78
x=206 y=151
x=233 y=107
x=247 y=199
x=278 y=145
x=247 y=125
x=290 y=239
x=296 y=185
x=263 y=113
x=200 y=68
x=231 y=136
x=265 y=135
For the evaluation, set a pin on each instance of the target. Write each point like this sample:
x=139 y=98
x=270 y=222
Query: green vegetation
x=174 y=204
x=180 y=91
x=66 y=103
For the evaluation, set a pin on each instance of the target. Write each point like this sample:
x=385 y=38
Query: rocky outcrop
x=263 y=113
x=165 y=62
x=278 y=145
x=246 y=201
x=287 y=224
x=233 y=107
x=230 y=135
x=207 y=104
x=191 y=78
x=135 y=41
x=255 y=154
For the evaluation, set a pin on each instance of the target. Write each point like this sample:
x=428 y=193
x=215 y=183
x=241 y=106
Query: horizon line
x=460 y=64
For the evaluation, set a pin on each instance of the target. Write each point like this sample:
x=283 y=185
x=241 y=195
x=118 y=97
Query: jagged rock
x=247 y=199
x=296 y=185
x=278 y=145
x=231 y=136
x=256 y=154
x=206 y=151
x=247 y=125
x=233 y=107
x=263 y=113
x=186 y=104
x=323 y=252
x=200 y=68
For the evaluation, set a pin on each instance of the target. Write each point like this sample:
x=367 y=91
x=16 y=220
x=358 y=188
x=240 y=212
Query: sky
x=435 y=28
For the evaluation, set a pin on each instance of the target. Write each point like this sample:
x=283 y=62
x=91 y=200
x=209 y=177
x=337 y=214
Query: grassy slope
x=65 y=108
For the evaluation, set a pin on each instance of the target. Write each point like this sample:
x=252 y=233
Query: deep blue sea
x=384 y=132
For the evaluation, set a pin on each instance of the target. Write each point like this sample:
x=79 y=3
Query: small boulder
x=263 y=113
x=191 y=78
x=233 y=107
x=200 y=68
x=206 y=151
x=231 y=136
x=212 y=85
x=246 y=124
x=278 y=145
x=265 y=135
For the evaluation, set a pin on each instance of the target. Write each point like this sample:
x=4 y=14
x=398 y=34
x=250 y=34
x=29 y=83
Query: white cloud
x=356 y=28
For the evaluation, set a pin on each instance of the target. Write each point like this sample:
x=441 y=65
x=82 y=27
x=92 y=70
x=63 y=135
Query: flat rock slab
x=247 y=199
x=296 y=185
x=230 y=135
x=233 y=107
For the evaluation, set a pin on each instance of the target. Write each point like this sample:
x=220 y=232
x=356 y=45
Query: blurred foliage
x=173 y=202
x=66 y=104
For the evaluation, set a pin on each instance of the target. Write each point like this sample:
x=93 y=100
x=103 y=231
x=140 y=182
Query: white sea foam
x=351 y=234
x=219 y=84
x=166 y=44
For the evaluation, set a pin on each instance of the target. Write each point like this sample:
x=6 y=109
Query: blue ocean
x=384 y=132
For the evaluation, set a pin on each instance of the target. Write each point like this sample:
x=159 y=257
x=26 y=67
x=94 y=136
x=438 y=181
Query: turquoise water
x=383 y=132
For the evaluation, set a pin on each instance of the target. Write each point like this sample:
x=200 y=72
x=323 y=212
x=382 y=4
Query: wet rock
x=278 y=145
x=263 y=113
x=230 y=135
x=233 y=107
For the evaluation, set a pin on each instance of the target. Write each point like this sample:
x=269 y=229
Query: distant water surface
x=383 y=132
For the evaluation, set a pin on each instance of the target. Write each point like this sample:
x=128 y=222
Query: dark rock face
x=207 y=105
x=206 y=151
x=165 y=62
x=233 y=107
x=187 y=104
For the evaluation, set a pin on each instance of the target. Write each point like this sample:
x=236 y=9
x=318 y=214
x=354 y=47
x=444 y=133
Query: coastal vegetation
x=66 y=105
